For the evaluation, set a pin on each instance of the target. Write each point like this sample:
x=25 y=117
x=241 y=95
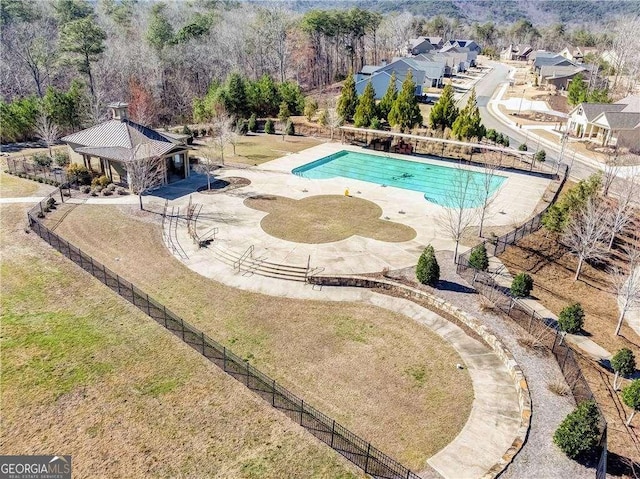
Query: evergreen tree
x=284 y=113
x=478 y=258
x=83 y=40
x=386 y=103
x=289 y=128
x=444 y=112
x=253 y=123
x=571 y=318
x=521 y=285
x=428 y=270
x=235 y=97
x=366 y=110
x=348 y=101
x=579 y=432
x=159 y=30
x=577 y=91
x=631 y=397
x=623 y=364
x=468 y=124
x=310 y=108
x=405 y=112
x=269 y=128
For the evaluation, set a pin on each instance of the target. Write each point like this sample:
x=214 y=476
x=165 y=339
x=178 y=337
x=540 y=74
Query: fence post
x=565 y=357
x=366 y=462
x=301 y=410
x=41 y=209
x=148 y=307
x=182 y=326
x=246 y=364
x=333 y=431
x=164 y=310
x=118 y=283
x=92 y=270
x=202 y=333
x=104 y=272
x=133 y=295
x=531 y=319
x=224 y=358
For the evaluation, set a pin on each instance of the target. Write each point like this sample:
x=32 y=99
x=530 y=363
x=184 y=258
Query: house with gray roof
x=516 y=52
x=560 y=75
x=543 y=58
x=109 y=146
x=462 y=43
x=608 y=124
x=419 y=45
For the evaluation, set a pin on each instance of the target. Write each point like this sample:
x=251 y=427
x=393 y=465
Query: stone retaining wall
x=519 y=381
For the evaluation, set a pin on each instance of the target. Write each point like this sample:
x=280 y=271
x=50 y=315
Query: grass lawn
x=13 y=186
x=380 y=374
x=326 y=218
x=257 y=148
x=85 y=373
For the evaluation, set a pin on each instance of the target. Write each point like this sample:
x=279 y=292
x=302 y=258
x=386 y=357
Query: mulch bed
x=224 y=185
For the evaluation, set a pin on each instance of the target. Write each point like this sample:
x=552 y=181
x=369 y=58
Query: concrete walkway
x=21 y=199
x=503 y=278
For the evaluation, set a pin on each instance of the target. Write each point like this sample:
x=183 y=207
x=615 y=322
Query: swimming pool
x=440 y=184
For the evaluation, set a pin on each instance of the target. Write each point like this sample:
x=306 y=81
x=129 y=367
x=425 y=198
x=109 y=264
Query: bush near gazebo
x=579 y=433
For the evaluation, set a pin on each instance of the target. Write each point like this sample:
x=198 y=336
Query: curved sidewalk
x=494 y=421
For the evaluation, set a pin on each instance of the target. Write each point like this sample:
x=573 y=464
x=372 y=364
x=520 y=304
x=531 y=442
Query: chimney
x=119 y=110
x=383 y=63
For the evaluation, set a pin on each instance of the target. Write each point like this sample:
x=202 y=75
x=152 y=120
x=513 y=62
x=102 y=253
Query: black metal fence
x=339 y=438
x=543 y=331
x=29 y=169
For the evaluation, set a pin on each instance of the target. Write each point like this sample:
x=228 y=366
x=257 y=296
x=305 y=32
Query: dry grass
x=559 y=387
x=326 y=218
x=85 y=373
x=354 y=362
x=258 y=148
x=13 y=186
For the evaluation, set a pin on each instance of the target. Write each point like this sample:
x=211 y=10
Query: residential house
x=516 y=52
x=468 y=56
x=608 y=123
x=577 y=54
x=470 y=44
x=419 y=45
x=559 y=76
x=543 y=58
x=109 y=146
x=436 y=42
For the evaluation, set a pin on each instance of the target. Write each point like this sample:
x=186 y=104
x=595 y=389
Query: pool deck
x=239 y=226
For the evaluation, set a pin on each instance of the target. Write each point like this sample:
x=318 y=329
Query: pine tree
x=428 y=270
x=236 y=96
x=521 y=285
x=253 y=123
x=478 y=258
x=468 y=124
x=577 y=91
x=366 y=110
x=579 y=432
x=405 y=113
x=444 y=112
x=386 y=103
x=348 y=101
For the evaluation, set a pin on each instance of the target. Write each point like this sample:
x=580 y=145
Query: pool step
x=258 y=265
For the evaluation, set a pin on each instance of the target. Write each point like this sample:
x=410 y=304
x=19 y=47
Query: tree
x=389 y=98
x=159 y=30
x=631 y=397
x=540 y=156
x=577 y=91
x=47 y=130
x=235 y=98
x=405 y=112
x=521 y=285
x=289 y=129
x=366 y=110
x=142 y=106
x=222 y=131
x=579 y=433
x=486 y=190
x=253 y=123
x=144 y=171
x=83 y=41
x=587 y=232
x=69 y=10
x=478 y=258
x=571 y=318
x=626 y=284
x=457 y=214
x=428 y=270
x=522 y=147
x=468 y=124
x=622 y=209
x=208 y=163
x=310 y=108
x=348 y=101
x=268 y=127
x=444 y=112
x=623 y=364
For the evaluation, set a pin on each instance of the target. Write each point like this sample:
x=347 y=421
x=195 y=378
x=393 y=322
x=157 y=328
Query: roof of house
x=369 y=69
x=415 y=42
x=620 y=120
x=632 y=103
x=523 y=49
x=558 y=60
x=559 y=71
x=434 y=40
x=592 y=110
x=120 y=140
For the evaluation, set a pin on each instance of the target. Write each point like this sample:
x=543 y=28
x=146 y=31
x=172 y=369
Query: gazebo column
x=186 y=164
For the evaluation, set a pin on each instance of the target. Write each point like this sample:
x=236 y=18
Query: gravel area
x=539 y=457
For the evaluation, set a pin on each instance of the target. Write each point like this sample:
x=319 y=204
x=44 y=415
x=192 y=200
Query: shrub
x=521 y=285
x=121 y=191
x=203 y=132
x=195 y=133
x=98 y=189
x=269 y=128
x=579 y=433
x=85 y=189
x=107 y=192
x=540 y=156
x=491 y=135
x=522 y=147
x=253 y=123
x=61 y=158
x=428 y=270
x=80 y=173
x=323 y=118
x=289 y=129
x=40 y=180
x=111 y=187
x=375 y=123
x=186 y=130
x=41 y=159
x=631 y=397
x=478 y=258
x=94 y=192
x=100 y=181
x=243 y=128
x=624 y=362
x=51 y=201
x=571 y=318
x=310 y=108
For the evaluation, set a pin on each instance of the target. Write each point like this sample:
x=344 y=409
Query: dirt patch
x=223 y=185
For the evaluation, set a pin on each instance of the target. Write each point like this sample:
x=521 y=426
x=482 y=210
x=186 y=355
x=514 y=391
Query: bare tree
x=222 y=132
x=458 y=214
x=144 y=171
x=625 y=40
x=622 y=210
x=208 y=163
x=486 y=190
x=610 y=172
x=47 y=130
x=626 y=284
x=587 y=232
x=334 y=120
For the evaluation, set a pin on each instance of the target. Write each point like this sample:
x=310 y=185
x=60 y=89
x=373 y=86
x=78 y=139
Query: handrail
x=248 y=253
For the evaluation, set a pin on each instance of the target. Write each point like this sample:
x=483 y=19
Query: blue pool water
x=443 y=185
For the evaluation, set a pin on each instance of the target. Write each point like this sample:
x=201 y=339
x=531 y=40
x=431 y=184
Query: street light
x=565 y=137
x=521 y=98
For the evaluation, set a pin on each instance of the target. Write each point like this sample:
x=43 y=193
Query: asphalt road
x=485 y=89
